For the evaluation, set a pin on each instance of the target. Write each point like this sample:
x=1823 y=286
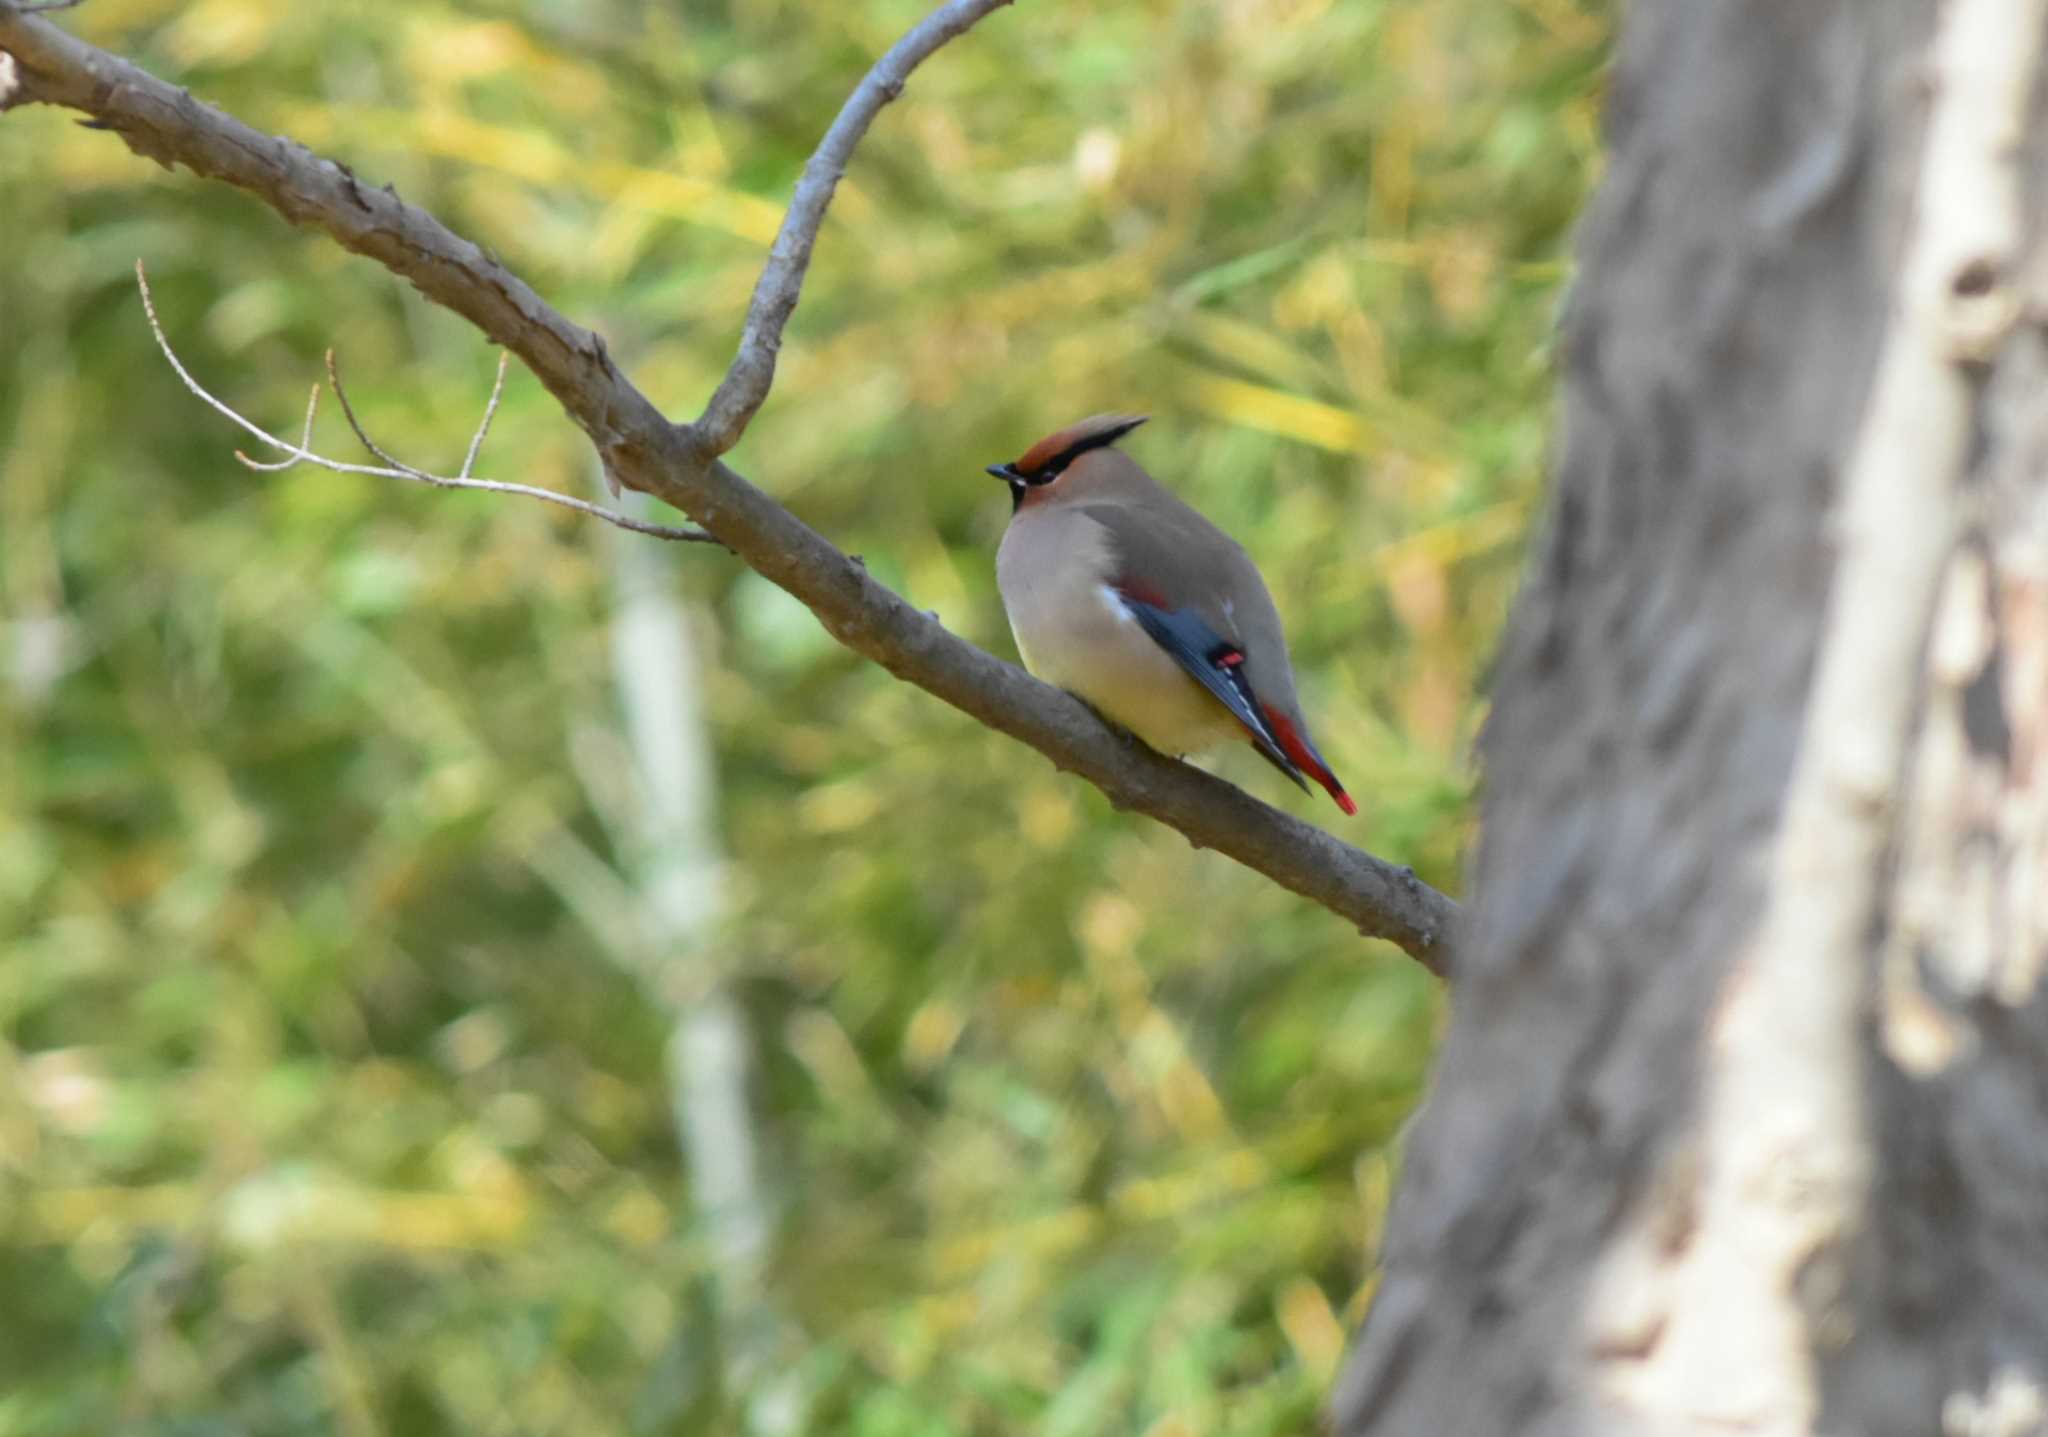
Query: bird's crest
x=1056 y=451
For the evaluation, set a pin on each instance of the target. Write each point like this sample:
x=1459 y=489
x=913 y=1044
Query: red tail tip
x=1305 y=757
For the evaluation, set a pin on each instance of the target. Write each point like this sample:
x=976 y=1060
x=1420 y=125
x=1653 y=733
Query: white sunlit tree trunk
x=1742 y=1124
x=679 y=871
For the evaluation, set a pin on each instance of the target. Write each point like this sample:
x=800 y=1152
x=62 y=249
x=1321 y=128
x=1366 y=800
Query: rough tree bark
x=1742 y=1123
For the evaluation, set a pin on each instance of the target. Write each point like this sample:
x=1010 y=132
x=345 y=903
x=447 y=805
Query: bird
x=1122 y=594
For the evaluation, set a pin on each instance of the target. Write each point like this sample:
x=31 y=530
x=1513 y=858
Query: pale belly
x=1088 y=644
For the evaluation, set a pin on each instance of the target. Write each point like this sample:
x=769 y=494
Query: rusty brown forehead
x=1102 y=428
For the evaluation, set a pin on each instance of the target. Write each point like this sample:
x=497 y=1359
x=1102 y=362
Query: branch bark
x=679 y=463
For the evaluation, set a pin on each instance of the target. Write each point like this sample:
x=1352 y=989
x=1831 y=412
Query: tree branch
x=745 y=386
x=678 y=464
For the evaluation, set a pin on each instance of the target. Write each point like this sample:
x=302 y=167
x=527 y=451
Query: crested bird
x=1124 y=596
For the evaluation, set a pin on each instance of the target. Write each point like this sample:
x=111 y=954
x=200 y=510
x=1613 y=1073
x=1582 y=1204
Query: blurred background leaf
x=329 y=1099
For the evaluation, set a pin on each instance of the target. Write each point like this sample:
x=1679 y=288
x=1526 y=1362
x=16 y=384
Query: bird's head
x=1041 y=466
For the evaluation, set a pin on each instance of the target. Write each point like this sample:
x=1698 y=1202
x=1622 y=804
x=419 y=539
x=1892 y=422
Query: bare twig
x=392 y=467
x=476 y=442
x=638 y=444
x=290 y=461
x=348 y=412
x=745 y=386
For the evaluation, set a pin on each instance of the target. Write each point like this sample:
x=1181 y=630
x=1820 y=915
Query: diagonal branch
x=745 y=386
x=639 y=447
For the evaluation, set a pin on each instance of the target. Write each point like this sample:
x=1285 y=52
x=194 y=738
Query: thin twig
x=745 y=386
x=392 y=467
x=476 y=442
x=305 y=441
x=348 y=412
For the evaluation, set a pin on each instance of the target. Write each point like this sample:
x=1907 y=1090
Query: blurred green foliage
x=324 y=1102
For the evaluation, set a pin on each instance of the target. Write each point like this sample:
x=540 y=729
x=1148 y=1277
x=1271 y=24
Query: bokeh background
x=464 y=971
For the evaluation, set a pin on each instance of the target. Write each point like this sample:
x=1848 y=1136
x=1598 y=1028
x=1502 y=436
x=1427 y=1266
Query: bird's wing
x=1217 y=665
x=1156 y=565
x=1180 y=558
x=1179 y=567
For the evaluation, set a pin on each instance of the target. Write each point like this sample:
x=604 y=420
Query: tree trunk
x=714 y=1059
x=1742 y=1123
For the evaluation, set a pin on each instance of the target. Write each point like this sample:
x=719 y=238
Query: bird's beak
x=1006 y=472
